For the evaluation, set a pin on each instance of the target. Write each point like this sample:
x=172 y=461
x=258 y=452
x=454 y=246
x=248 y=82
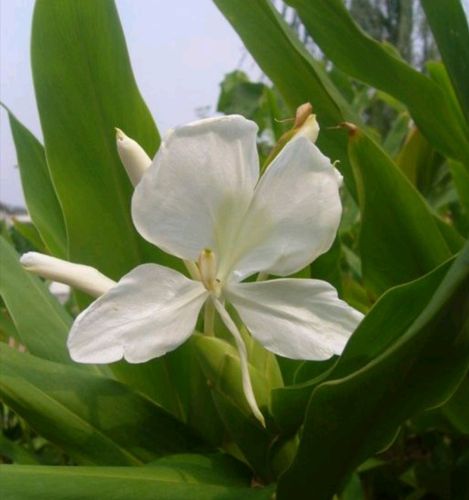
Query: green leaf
x=298 y=76
x=42 y=323
x=449 y=25
x=396 y=135
x=354 y=52
x=7 y=327
x=16 y=453
x=94 y=419
x=461 y=181
x=255 y=101
x=220 y=363
x=386 y=383
x=173 y=481
x=85 y=87
x=399 y=237
x=418 y=160
x=39 y=192
x=392 y=315
x=327 y=266
x=456 y=409
x=29 y=232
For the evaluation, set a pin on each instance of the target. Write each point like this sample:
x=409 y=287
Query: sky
x=180 y=51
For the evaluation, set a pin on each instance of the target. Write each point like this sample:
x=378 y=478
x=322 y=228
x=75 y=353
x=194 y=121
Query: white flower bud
x=84 y=278
x=133 y=157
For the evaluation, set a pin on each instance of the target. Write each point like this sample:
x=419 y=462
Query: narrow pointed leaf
x=449 y=25
x=354 y=52
x=39 y=192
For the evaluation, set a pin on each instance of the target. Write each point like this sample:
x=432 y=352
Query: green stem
x=209 y=318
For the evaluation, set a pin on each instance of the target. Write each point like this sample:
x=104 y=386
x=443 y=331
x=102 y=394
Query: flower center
x=207 y=264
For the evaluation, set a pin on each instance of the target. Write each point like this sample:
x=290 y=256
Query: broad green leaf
x=94 y=419
x=168 y=482
x=449 y=25
x=378 y=395
x=361 y=57
x=85 y=87
x=298 y=76
x=399 y=237
x=39 y=192
x=42 y=323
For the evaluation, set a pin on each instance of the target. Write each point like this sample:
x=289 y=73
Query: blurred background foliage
x=390 y=419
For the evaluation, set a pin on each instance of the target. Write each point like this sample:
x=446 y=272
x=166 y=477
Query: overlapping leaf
x=399 y=237
x=204 y=478
x=417 y=361
x=94 y=419
x=361 y=57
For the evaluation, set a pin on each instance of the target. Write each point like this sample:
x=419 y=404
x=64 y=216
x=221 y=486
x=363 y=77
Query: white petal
x=197 y=190
x=298 y=319
x=152 y=310
x=84 y=278
x=294 y=215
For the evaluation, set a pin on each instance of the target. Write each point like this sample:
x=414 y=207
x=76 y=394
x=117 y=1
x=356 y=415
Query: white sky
x=180 y=51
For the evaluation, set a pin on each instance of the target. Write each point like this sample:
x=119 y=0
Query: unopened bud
x=306 y=124
x=302 y=113
x=132 y=156
x=84 y=278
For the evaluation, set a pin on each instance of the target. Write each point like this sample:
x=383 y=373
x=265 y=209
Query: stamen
x=243 y=358
x=208 y=271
